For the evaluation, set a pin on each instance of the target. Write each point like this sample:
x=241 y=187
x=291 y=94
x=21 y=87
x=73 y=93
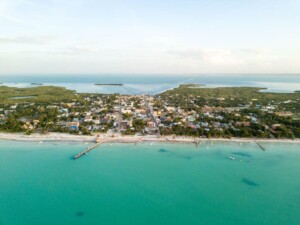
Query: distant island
x=109 y=84
x=37 y=84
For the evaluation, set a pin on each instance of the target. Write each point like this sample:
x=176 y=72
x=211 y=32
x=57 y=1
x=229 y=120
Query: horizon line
x=167 y=74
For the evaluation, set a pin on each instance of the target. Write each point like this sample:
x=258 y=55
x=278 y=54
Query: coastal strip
x=57 y=137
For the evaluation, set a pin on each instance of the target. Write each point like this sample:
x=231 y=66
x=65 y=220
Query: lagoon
x=149 y=183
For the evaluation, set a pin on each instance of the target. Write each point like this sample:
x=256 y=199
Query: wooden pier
x=262 y=147
x=86 y=151
x=138 y=141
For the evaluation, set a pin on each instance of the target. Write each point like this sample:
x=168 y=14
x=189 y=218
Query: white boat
x=232 y=158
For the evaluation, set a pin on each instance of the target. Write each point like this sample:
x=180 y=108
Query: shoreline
x=61 y=137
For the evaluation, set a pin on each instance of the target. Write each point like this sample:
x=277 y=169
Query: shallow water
x=154 y=84
x=149 y=184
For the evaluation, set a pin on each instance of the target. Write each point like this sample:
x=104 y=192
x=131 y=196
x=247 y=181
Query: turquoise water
x=154 y=84
x=149 y=184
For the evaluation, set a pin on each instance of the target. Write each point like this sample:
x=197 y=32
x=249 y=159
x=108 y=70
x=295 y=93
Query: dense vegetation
x=41 y=94
x=228 y=97
x=248 y=101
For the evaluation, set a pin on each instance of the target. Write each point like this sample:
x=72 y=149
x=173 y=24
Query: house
x=73 y=125
x=151 y=124
x=220 y=117
x=69 y=105
x=27 y=126
x=284 y=114
x=64 y=110
x=96 y=121
x=35 y=122
x=253 y=119
x=191 y=118
x=124 y=125
x=203 y=124
x=13 y=106
x=245 y=124
x=140 y=111
x=170 y=109
x=180 y=111
x=275 y=126
x=157 y=113
x=193 y=126
x=126 y=111
x=88 y=119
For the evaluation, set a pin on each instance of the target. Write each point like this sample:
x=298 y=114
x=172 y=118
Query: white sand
x=128 y=139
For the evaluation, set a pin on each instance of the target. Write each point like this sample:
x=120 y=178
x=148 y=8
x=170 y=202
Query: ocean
x=154 y=84
x=149 y=183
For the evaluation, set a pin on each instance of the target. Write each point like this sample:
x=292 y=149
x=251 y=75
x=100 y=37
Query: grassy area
x=44 y=94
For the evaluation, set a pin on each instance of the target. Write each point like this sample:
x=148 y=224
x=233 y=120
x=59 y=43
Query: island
x=109 y=84
x=185 y=111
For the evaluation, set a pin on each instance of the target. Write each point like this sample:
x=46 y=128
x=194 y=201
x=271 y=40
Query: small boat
x=232 y=158
x=41 y=142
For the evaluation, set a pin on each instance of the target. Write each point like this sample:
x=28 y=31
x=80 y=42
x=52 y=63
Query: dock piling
x=138 y=141
x=86 y=151
x=262 y=147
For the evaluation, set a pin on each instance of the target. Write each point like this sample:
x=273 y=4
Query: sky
x=149 y=36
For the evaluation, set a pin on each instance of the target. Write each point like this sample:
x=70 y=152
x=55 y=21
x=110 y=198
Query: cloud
x=256 y=51
x=27 y=40
x=210 y=56
x=227 y=57
x=72 y=50
x=82 y=49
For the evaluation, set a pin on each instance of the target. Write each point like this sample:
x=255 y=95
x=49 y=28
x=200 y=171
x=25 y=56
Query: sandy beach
x=128 y=139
